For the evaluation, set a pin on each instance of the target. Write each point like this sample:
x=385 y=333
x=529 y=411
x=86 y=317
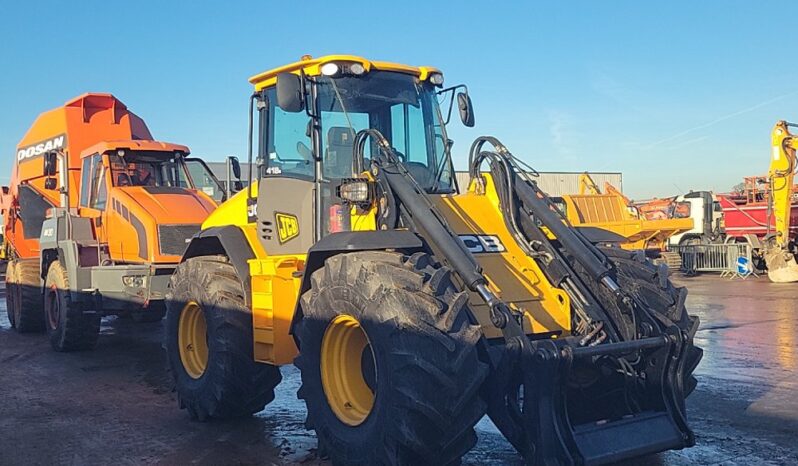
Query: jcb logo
x=482 y=243
x=287 y=227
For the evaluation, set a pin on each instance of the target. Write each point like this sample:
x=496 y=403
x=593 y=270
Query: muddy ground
x=115 y=404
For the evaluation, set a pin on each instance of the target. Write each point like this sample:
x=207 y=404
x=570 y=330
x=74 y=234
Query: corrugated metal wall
x=559 y=183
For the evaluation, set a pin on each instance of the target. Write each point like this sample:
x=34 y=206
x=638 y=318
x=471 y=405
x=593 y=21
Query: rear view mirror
x=289 y=93
x=466 y=109
x=238 y=185
x=236 y=167
x=50 y=163
x=50 y=183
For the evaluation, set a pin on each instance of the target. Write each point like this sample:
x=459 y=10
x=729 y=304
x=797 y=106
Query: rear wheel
x=10 y=271
x=390 y=372
x=23 y=296
x=209 y=343
x=68 y=327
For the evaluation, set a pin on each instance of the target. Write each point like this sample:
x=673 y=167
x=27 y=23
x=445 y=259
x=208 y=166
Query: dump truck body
x=410 y=310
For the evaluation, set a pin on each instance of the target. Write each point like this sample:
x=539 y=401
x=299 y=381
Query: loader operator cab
x=344 y=102
x=308 y=123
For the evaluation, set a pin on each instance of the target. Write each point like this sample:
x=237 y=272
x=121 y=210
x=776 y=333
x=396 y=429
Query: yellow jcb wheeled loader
x=412 y=311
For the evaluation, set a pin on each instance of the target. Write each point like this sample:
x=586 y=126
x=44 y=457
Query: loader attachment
x=535 y=414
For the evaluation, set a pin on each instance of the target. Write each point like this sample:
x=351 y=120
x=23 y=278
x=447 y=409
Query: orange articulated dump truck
x=97 y=217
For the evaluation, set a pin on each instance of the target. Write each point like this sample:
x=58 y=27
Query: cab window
x=85 y=180
x=288 y=150
x=99 y=191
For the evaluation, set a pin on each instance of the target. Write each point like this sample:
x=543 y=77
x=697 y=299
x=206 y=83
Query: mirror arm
x=451 y=99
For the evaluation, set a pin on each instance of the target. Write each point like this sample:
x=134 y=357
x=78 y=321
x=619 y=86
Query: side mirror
x=236 y=166
x=466 y=109
x=289 y=93
x=50 y=163
x=51 y=184
x=238 y=185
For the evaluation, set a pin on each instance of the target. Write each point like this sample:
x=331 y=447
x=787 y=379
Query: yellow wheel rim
x=345 y=354
x=192 y=337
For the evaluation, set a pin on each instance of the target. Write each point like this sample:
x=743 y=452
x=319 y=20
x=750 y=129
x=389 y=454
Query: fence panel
x=713 y=257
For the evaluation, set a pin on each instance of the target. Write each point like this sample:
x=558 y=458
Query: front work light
x=436 y=79
x=356 y=191
x=329 y=69
x=357 y=69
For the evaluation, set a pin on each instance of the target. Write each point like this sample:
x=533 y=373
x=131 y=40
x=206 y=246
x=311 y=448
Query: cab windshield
x=149 y=169
x=398 y=105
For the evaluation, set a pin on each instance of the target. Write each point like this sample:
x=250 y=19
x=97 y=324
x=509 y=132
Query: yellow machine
x=779 y=248
x=412 y=311
x=612 y=211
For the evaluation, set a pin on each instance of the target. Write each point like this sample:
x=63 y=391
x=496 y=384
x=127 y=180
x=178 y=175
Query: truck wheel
x=650 y=284
x=389 y=364
x=68 y=327
x=24 y=298
x=10 y=271
x=209 y=343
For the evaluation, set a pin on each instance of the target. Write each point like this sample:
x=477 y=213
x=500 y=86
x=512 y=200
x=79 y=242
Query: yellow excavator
x=779 y=249
x=410 y=310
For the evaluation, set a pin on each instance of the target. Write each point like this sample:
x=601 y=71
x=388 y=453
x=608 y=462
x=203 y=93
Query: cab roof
x=312 y=67
x=136 y=145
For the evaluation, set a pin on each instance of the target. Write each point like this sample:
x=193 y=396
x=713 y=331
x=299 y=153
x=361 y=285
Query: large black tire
x=424 y=354
x=10 y=272
x=24 y=295
x=636 y=275
x=232 y=384
x=68 y=327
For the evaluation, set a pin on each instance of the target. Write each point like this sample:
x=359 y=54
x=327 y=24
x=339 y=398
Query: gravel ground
x=115 y=403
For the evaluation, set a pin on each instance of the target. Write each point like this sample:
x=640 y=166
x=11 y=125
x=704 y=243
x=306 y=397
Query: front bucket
x=554 y=429
x=782 y=267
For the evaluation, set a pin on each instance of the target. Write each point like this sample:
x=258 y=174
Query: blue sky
x=676 y=95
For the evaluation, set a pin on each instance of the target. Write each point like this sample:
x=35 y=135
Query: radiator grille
x=173 y=239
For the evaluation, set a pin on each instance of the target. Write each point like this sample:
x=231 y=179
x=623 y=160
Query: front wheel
x=209 y=343
x=68 y=327
x=389 y=364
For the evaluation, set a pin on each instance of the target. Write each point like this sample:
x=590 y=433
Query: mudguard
x=228 y=241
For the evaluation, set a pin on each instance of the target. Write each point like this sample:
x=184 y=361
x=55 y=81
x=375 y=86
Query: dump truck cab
x=138 y=194
x=411 y=310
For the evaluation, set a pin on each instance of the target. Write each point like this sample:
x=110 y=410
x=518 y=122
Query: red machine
x=747 y=214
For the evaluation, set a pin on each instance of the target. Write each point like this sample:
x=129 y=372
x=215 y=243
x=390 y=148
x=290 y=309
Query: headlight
x=357 y=69
x=133 y=281
x=329 y=69
x=436 y=79
x=356 y=191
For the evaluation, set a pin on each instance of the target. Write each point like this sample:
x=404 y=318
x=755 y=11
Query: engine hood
x=167 y=205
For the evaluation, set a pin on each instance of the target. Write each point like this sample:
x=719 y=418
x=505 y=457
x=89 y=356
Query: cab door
x=94 y=194
x=287 y=186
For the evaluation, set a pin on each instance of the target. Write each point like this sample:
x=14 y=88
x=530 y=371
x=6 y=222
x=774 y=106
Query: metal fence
x=724 y=258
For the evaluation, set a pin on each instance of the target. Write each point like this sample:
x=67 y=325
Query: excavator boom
x=778 y=253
